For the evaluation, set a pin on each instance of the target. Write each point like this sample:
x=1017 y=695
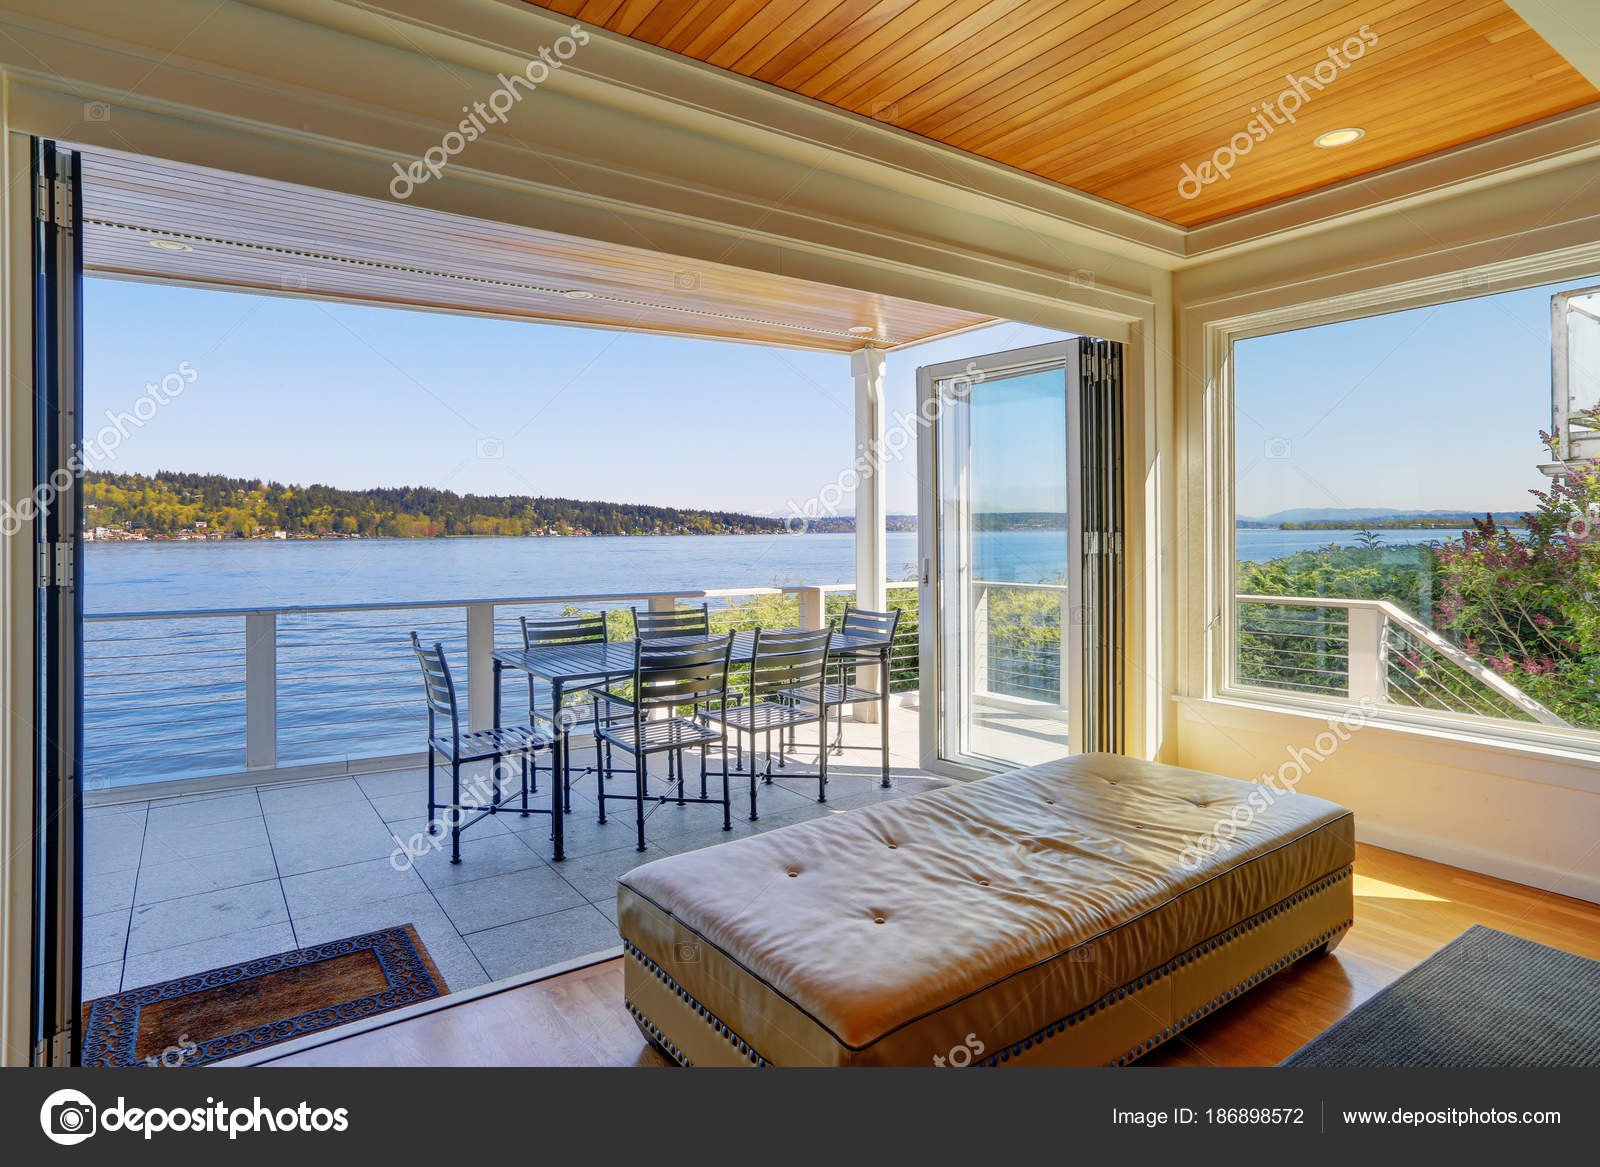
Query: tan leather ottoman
x=1056 y=915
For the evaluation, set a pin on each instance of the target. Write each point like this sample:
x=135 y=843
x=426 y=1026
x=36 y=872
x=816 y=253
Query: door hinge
x=52 y=201
x=55 y=1050
x=55 y=565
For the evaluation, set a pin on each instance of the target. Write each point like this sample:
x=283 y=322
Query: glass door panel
x=1004 y=535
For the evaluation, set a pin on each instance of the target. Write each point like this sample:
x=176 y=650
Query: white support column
x=867 y=369
x=261 y=690
x=480 y=666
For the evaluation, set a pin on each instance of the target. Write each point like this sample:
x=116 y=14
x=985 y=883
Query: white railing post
x=260 y=690
x=1064 y=681
x=1367 y=679
x=813 y=608
x=980 y=638
x=480 y=666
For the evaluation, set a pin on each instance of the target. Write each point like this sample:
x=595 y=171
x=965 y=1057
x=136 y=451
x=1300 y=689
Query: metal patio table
x=566 y=667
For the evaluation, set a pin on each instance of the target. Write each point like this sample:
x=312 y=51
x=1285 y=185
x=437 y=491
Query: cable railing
x=1368 y=650
x=1018 y=631
x=303 y=691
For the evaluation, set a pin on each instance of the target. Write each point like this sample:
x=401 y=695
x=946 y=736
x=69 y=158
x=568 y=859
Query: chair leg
x=883 y=720
x=679 y=755
x=566 y=779
x=433 y=819
x=455 y=809
x=638 y=775
x=727 y=799
x=601 y=773
x=822 y=758
x=752 y=775
x=527 y=757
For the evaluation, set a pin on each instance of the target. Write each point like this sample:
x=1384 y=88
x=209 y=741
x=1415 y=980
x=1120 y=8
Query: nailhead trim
x=1188 y=957
x=717 y=1025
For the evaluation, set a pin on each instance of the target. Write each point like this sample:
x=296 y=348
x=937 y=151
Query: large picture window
x=1417 y=510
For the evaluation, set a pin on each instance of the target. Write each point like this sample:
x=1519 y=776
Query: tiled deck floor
x=187 y=884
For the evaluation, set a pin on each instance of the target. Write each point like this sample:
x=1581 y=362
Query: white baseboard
x=1579 y=885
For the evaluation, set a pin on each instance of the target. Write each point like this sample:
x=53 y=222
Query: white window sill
x=1548 y=763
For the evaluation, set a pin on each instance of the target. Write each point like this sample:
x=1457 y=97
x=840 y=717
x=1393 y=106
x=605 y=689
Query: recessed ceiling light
x=862 y=329
x=575 y=294
x=1338 y=137
x=170 y=245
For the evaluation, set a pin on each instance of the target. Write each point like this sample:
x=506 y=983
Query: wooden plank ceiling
x=1113 y=97
x=255 y=234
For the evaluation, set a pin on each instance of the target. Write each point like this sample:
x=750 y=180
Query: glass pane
x=1004 y=544
x=1416 y=510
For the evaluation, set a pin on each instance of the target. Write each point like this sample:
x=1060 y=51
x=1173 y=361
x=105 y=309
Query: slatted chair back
x=439 y=686
x=578 y=628
x=679 y=675
x=652 y=625
x=789 y=661
x=866 y=623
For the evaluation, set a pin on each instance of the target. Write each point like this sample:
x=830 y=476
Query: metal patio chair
x=880 y=628
x=666 y=681
x=459 y=749
x=650 y=624
x=591 y=706
x=782 y=664
x=677 y=623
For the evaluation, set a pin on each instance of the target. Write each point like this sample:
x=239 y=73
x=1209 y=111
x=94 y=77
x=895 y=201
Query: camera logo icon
x=490 y=449
x=68 y=1117
x=1279 y=449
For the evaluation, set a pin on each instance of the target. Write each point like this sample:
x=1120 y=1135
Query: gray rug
x=1485 y=999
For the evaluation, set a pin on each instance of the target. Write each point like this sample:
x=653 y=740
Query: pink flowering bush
x=1525 y=603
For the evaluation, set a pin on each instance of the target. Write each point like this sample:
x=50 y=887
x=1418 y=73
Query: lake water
x=132 y=577
x=1258 y=546
x=165 y=698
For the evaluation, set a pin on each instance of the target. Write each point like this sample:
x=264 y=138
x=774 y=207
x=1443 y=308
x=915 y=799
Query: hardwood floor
x=1406 y=909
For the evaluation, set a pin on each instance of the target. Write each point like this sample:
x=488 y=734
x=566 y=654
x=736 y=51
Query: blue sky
x=301 y=391
x=1435 y=408
x=1019 y=444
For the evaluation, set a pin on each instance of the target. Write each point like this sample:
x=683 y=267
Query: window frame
x=1219 y=643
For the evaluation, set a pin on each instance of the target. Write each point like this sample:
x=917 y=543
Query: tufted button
x=894 y=846
x=877 y=919
x=793 y=874
x=983 y=882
